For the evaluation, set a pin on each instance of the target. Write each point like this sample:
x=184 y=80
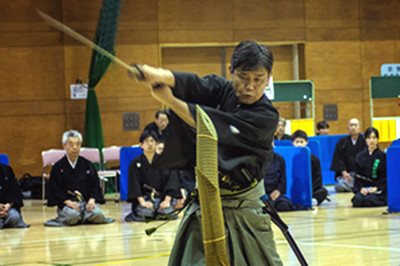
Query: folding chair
x=93 y=155
x=111 y=154
x=4 y=158
x=49 y=158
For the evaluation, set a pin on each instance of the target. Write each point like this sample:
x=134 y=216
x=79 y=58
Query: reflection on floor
x=334 y=233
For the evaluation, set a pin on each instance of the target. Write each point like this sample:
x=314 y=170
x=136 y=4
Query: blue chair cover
x=126 y=155
x=396 y=142
x=298 y=174
x=4 y=159
x=315 y=147
x=393 y=178
x=327 y=144
x=284 y=142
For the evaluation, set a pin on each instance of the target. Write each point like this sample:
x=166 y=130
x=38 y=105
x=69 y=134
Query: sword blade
x=67 y=30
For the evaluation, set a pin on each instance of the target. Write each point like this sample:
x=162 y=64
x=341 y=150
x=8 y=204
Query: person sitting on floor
x=370 y=175
x=319 y=193
x=345 y=152
x=275 y=185
x=151 y=191
x=75 y=187
x=184 y=178
x=10 y=200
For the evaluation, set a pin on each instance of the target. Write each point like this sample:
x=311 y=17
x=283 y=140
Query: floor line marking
x=341 y=245
x=86 y=237
x=132 y=260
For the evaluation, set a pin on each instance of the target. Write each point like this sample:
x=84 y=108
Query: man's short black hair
x=299 y=134
x=250 y=55
x=160 y=112
x=146 y=134
x=322 y=124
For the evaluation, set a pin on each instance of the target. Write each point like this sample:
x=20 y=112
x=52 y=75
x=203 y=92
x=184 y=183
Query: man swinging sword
x=245 y=122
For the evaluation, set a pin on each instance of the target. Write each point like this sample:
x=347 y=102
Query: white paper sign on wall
x=79 y=91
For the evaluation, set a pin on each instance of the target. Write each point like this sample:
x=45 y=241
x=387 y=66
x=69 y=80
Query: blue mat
x=393 y=178
x=396 y=142
x=4 y=159
x=327 y=144
x=126 y=155
x=298 y=173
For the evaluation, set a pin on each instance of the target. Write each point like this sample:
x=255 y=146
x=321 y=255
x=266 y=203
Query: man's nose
x=250 y=84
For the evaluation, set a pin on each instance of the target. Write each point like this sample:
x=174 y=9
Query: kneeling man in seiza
x=75 y=187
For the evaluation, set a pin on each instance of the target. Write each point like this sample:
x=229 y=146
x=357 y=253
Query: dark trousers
x=284 y=204
x=370 y=200
x=320 y=194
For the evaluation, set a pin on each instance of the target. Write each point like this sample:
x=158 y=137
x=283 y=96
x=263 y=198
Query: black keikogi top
x=275 y=176
x=142 y=178
x=284 y=137
x=371 y=167
x=9 y=191
x=345 y=153
x=64 y=178
x=152 y=127
x=245 y=132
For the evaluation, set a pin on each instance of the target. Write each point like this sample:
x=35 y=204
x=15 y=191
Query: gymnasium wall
x=341 y=43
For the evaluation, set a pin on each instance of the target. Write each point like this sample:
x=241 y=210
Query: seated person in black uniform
x=10 y=199
x=187 y=179
x=345 y=152
x=159 y=126
x=280 y=130
x=275 y=185
x=322 y=128
x=75 y=187
x=151 y=191
x=370 y=174
x=319 y=193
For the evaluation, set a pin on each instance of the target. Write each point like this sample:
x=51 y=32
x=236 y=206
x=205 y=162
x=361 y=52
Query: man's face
x=162 y=121
x=249 y=86
x=323 y=131
x=280 y=129
x=72 y=147
x=299 y=142
x=354 y=127
x=148 y=145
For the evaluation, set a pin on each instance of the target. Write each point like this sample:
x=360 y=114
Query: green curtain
x=105 y=38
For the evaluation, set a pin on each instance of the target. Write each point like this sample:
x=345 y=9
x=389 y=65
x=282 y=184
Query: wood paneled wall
x=345 y=42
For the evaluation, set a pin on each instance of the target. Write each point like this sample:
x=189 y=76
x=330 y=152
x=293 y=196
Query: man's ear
x=269 y=77
x=231 y=69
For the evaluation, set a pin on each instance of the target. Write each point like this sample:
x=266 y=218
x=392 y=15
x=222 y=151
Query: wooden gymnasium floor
x=332 y=234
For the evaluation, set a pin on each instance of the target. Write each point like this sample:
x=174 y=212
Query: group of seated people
x=360 y=166
x=275 y=178
x=358 y=163
x=74 y=186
